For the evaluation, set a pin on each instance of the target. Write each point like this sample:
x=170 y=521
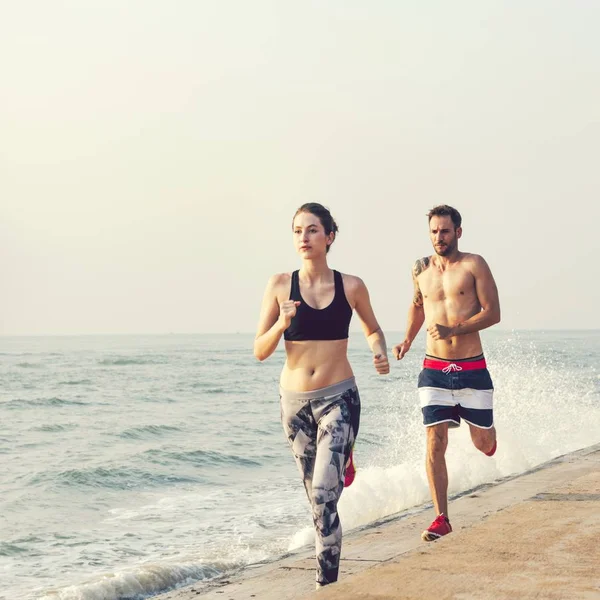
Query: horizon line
x=196 y=333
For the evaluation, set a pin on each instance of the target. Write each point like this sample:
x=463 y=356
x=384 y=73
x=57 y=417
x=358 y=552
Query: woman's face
x=310 y=238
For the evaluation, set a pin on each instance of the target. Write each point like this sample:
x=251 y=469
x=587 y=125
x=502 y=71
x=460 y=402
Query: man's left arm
x=487 y=293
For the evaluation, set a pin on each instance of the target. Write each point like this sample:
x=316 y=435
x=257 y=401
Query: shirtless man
x=455 y=294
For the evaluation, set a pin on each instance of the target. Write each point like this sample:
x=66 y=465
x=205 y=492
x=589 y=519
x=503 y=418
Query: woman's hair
x=323 y=214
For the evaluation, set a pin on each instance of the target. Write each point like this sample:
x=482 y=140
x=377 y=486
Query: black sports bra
x=329 y=323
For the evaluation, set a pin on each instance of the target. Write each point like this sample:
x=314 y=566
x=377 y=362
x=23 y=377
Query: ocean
x=136 y=464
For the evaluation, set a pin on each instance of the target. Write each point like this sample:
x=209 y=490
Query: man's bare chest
x=439 y=285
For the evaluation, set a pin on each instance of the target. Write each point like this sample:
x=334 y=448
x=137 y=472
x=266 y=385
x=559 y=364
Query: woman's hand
x=382 y=366
x=287 y=311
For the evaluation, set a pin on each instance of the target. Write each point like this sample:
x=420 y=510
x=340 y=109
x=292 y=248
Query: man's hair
x=443 y=210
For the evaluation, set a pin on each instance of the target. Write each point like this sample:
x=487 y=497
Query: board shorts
x=453 y=389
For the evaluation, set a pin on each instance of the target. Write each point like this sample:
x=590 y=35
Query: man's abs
x=450 y=313
x=460 y=346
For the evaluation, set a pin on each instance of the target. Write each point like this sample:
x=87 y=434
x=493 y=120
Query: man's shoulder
x=470 y=256
x=421 y=264
x=472 y=259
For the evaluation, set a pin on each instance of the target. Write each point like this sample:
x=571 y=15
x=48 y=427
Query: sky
x=153 y=153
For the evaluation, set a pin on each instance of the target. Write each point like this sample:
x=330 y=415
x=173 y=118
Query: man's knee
x=437 y=440
x=484 y=439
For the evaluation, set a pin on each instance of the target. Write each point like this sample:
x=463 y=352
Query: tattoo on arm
x=418 y=297
x=419 y=266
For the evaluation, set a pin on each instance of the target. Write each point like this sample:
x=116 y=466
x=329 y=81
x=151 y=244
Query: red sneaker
x=441 y=526
x=350 y=471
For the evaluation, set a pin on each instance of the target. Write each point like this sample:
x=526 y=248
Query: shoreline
x=382 y=554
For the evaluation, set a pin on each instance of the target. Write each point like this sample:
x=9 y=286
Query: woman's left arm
x=373 y=333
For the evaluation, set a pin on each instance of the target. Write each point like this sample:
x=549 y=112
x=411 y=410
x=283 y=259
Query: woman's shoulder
x=352 y=282
x=279 y=280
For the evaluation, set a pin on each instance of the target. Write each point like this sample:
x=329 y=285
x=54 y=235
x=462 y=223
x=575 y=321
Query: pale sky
x=153 y=153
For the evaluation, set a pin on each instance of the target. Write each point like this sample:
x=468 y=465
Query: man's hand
x=382 y=366
x=439 y=332
x=401 y=349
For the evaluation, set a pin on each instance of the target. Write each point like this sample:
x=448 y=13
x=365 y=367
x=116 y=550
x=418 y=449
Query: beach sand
x=535 y=535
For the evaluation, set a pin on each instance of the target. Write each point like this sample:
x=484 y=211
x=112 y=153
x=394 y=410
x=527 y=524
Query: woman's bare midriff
x=315 y=364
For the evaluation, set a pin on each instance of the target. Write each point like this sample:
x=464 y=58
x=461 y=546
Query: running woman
x=320 y=405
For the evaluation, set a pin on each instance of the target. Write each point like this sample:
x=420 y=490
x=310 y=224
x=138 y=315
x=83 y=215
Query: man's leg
x=437 y=442
x=437 y=474
x=484 y=439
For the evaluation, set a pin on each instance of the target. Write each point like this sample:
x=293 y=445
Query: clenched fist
x=401 y=349
x=287 y=311
x=439 y=332
x=382 y=366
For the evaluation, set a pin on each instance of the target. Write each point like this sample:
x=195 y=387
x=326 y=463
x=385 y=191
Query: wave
x=199 y=457
x=158 y=399
x=234 y=387
x=543 y=409
x=209 y=387
x=54 y=401
x=116 y=478
x=147 y=431
x=55 y=428
x=8 y=549
x=147 y=580
x=120 y=361
x=76 y=382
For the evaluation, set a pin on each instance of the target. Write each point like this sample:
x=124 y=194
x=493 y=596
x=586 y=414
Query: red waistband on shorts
x=459 y=365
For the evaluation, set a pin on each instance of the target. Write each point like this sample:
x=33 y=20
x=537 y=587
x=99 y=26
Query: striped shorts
x=453 y=389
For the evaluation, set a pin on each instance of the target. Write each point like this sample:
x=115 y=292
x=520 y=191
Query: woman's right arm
x=274 y=319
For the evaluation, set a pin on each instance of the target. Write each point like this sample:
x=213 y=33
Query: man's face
x=444 y=236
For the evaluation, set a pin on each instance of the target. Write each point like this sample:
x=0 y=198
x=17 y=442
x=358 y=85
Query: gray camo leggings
x=321 y=426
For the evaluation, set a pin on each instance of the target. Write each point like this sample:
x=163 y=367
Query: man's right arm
x=416 y=312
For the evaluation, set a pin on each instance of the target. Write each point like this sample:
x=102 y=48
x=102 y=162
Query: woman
x=320 y=405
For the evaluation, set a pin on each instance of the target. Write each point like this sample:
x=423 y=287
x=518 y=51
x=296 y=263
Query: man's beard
x=445 y=250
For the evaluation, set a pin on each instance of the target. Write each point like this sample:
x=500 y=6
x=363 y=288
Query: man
x=455 y=294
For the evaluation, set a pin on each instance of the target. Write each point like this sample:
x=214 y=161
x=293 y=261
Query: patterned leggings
x=321 y=426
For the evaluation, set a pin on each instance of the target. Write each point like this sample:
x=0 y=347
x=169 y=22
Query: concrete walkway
x=536 y=535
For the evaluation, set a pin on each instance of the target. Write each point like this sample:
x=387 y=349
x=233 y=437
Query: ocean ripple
x=147 y=431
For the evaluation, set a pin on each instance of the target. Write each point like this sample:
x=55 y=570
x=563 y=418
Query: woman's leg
x=301 y=431
x=321 y=433
x=335 y=438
